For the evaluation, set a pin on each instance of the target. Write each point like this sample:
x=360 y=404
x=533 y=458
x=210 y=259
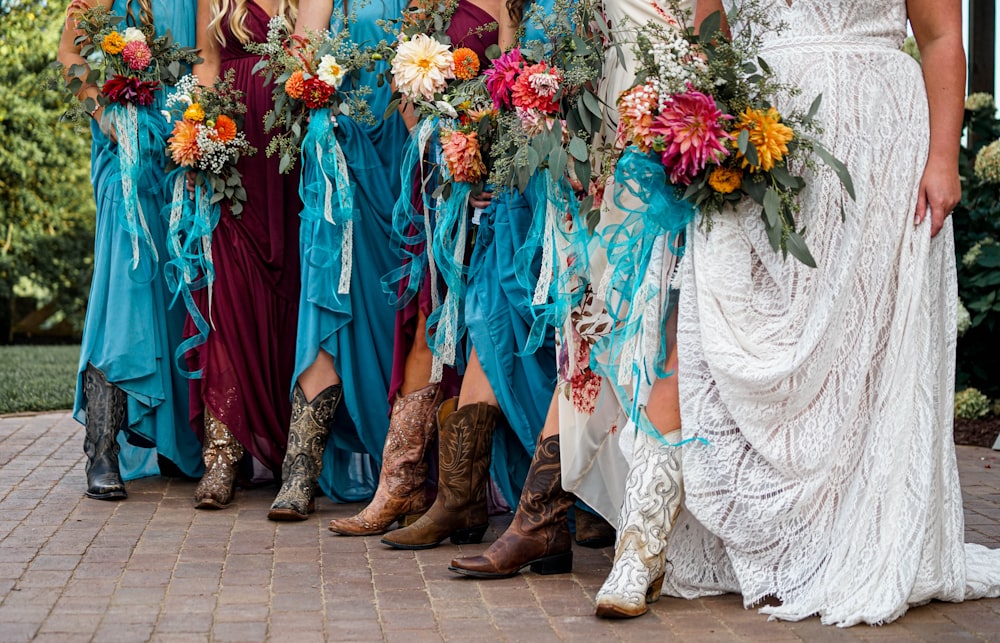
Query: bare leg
x=475 y=385
x=417 y=370
x=318 y=376
x=663 y=407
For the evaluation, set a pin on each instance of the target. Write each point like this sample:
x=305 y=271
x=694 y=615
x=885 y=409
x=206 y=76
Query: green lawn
x=37 y=378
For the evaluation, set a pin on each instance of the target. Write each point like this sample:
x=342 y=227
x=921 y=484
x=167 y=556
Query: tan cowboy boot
x=222 y=454
x=401 y=489
x=307 y=435
x=465 y=439
x=539 y=534
x=653 y=493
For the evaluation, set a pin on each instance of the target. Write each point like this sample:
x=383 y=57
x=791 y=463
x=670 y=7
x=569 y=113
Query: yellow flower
x=768 y=135
x=194 y=113
x=113 y=43
x=725 y=180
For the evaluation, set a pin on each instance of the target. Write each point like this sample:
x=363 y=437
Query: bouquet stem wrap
x=190 y=268
x=328 y=210
x=141 y=136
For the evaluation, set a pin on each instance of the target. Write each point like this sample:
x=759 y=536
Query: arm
x=314 y=15
x=705 y=8
x=937 y=26
x=69 y=52
x=207 y=70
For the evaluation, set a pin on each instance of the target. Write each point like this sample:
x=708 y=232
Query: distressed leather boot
x=653 y=493
x=307 y=435
x=222 y=454
x=539 y=534
x=401 y=493
x=465 y=439
x=107 y=411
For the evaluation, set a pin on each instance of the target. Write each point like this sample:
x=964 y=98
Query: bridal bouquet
x=544 y=92
x=703 y=108
x=207 y=138
x=133 y=62
x=307 y=72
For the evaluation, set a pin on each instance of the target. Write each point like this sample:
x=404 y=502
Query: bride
x=830 y=481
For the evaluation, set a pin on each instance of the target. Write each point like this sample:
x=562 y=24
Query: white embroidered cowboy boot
x=653 y=492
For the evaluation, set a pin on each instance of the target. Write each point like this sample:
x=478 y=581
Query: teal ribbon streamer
x=409 y=227
x=142 y=136
x=446 y=324
x=328 y=205
x=190 y=267
x=629 y=245
x=557 y=286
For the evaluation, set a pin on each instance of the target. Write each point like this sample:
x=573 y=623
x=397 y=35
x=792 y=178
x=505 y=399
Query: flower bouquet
x=545 y=93
x=207 y=139
x=703 y=109
x=307 y=72
x=133 y=62
x=131 y=66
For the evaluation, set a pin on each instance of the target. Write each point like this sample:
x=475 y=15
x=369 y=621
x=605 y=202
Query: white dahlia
x=422 y=67
x=330 y=71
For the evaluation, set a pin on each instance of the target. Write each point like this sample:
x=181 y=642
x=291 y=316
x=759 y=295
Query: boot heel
x=470 y=536
x=557 y=564
x=655 y=589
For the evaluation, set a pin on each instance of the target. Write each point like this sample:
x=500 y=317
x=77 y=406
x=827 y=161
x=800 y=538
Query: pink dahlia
x=692 y=135
x=137 y=55
x=536 y=88
x=501 y=76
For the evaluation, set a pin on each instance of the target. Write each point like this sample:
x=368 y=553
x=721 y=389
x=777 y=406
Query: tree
x=46 y=202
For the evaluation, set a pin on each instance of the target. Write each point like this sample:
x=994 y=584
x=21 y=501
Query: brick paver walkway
x=153 y=568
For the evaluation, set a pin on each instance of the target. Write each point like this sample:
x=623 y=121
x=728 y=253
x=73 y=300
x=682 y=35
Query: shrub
x=971 y=404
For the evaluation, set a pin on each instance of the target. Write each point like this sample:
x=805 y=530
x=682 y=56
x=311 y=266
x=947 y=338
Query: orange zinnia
x=225 y=128
x=466 y=63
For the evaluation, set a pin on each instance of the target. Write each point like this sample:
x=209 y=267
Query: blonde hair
x=237 y=11
x=145 y=13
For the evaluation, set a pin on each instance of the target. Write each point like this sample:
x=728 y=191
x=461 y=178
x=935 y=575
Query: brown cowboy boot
x=539 y=534
x=401 y=492
x=307 y=435
x=465 y=439
x=222 y=454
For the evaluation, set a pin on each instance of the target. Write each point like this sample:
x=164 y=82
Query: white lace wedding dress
x=826 y=394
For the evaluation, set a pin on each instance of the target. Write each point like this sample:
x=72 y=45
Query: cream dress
x=596 y=434
x=826 y=394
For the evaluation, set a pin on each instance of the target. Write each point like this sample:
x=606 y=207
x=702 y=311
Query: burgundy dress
x=249 y=357
x=464 y=31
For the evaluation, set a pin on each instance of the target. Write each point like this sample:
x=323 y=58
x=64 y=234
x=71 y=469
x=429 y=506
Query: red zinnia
x=316 y=93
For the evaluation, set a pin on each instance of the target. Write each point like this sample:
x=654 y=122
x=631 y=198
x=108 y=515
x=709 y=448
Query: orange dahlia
x=183 y=144
x=295 y=85
x=461 y=152
x=536 y=88
x=225 y=128
x=466 y=63
x=768 y=135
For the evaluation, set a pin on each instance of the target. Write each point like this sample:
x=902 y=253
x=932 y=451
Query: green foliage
x=971 y=404
x=46 y=208
x=37 y=378
x=977 y=231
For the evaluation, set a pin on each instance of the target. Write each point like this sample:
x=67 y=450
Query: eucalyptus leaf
x=841 y=170
x=772 y=207
x=579 y=149
x=797 y=248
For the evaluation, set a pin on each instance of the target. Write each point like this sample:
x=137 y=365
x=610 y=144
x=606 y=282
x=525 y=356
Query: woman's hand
x=481 y=200
x=940 y=190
